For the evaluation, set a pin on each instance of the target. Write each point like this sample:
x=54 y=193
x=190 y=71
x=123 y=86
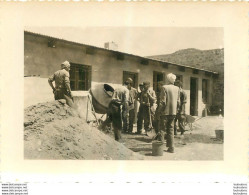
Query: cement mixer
x=101 y=96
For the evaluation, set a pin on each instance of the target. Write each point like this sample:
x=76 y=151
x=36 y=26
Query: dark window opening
x=157 y=76
x=80 y=77
x=205 y=91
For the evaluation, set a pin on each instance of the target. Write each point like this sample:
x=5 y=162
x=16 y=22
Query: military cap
x=129 y=80
x=65 y=64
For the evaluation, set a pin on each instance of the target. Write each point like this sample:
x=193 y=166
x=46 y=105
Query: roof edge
x=119 y=52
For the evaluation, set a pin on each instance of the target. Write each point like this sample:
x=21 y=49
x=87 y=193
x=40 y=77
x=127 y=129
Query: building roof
x=118 y=52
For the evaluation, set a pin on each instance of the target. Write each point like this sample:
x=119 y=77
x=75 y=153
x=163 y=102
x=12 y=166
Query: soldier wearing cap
x=139 y=118
x=119 y=109
x=147 y=100
x=129 y=120
x=62 y=82
x=169 y=100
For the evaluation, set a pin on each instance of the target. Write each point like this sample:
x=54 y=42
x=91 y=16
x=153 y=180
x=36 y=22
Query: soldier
x=159 y=123
x=139 y=118
x=169 y=99
x=147 y=100
x=62 y=82
x=181 y=117
x=128 y=122
x=119 y=109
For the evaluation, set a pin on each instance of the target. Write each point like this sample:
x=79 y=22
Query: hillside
x=206 y=59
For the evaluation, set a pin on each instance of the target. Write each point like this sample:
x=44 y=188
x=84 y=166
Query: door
x=134 y=77
x=193 y=96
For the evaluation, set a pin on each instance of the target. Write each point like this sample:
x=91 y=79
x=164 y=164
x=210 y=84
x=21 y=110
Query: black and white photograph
x=124 y=96
x=124 y=93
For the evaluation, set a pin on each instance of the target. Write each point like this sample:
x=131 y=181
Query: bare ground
x=53 y=130
x=198 y=144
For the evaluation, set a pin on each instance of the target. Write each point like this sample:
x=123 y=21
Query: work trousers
x=116 y=120
x=181 y=118
x=63 y=94
x=143 y=115
x=60 y=94
x=128 y=121
x=169 y=124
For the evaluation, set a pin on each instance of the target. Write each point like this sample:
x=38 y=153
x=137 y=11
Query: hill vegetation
x=205 y=59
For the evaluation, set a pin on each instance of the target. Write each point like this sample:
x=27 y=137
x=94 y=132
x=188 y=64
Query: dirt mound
x=53 y=130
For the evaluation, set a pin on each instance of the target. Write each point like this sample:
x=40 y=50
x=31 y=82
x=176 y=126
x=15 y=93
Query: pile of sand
x=53 y=130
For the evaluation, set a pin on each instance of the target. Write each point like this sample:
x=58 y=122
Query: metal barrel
x=101 y=97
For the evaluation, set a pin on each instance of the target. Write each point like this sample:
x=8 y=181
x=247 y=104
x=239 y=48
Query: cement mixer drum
x=101 y=97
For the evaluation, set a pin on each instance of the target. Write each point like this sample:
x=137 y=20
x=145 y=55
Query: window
x=133 y=76
x=157 y=76
x=205 y=91
x=80 y=77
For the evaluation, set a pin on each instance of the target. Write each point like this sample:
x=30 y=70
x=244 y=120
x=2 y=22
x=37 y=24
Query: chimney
x=111 y=46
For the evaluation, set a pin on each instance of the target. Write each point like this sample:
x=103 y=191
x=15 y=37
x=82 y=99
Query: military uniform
x=147 y=100
x=62 y=84
x=119 y=109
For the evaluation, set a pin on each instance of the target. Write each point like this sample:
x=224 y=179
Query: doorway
x=193 y=96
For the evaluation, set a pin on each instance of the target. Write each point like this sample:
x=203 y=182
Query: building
x=90 y=65
x=111 y=45
x=212 y=59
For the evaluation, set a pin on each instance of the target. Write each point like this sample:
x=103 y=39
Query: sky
x=142 y=41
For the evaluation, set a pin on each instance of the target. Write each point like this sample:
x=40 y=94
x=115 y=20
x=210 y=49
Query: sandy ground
x=53 y=130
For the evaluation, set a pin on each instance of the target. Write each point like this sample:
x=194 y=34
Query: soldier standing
x=119 y=109
x=147 y=100
x=62 y=82
x=169 y=99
